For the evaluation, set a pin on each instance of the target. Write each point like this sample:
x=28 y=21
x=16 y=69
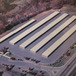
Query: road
x=68 y=67
x=27 y=65
x=73 y=72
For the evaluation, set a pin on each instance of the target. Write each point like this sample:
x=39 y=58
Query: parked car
x=27 y=58
x=12 y=58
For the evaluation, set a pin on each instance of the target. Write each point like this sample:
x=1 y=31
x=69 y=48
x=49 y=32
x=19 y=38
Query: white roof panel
x=25 y=33
x=51 y=35
x=42 y=31
x=59 y=42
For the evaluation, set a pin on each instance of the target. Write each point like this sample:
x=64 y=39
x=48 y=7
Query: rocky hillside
x=13 y=12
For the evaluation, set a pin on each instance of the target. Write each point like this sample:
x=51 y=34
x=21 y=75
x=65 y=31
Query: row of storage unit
x=41 y=32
